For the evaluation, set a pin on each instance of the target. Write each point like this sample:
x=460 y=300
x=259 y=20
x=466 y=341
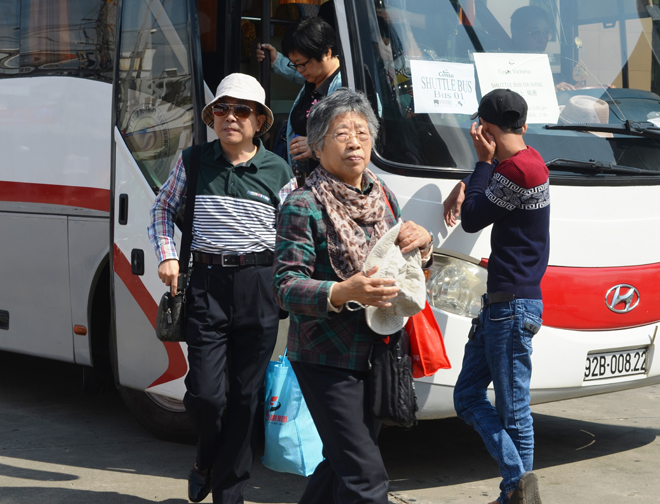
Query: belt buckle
x=224 y=264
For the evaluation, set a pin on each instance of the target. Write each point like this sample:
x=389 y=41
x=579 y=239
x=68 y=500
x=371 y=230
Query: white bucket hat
x=241 y=87
x=584 y=109
x=406 y=269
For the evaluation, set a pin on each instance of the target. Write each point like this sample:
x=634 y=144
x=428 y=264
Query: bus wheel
x=164 y=417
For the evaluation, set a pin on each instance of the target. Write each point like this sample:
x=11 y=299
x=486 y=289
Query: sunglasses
x=240 y=111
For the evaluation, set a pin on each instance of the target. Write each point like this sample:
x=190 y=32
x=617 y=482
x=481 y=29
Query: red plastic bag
x=427 y=348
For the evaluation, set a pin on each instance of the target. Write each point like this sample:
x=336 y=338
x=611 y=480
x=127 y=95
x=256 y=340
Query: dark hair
x=311 y=37
x=521 y=17
x=508 y=129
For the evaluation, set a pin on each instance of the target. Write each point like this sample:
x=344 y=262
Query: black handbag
x=171 y=316
x=391 y=383
x=170 y=323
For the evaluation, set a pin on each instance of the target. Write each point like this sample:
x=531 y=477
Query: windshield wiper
x=597 y=167
x=632 y=128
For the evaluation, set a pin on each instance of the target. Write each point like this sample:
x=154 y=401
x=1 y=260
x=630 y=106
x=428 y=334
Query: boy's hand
x=484 y=143
x=452 y=204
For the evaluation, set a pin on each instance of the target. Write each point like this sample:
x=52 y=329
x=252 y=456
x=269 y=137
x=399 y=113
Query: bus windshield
x=588 y=69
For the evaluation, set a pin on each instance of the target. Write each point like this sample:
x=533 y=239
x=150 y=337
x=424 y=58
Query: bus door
x=156 y=116
x=229 y=34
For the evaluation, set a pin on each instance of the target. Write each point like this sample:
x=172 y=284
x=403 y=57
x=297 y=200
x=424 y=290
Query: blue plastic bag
x=292 y=444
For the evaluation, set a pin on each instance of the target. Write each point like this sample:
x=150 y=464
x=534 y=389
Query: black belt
x=498 y=297
x=235 y=260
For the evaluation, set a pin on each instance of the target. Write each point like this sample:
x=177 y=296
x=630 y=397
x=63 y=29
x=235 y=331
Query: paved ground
x=57 y=446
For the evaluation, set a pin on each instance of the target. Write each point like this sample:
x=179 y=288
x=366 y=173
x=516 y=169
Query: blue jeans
x=500 y=352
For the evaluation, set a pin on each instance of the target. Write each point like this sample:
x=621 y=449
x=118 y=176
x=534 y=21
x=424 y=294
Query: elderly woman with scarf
x=325 y=232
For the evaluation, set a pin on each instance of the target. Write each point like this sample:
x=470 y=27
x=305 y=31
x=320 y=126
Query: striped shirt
x=235 y=205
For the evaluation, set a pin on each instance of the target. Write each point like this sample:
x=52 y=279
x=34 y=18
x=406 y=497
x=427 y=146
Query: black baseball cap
x=503 y=107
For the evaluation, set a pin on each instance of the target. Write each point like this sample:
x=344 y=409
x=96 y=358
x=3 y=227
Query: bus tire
x=165 y=418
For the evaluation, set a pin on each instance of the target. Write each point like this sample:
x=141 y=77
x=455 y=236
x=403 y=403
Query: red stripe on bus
x=575 y=298
x=82 y=197
x=177 y=361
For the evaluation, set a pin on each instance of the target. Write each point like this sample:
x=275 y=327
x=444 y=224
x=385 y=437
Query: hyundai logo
x=622 y=298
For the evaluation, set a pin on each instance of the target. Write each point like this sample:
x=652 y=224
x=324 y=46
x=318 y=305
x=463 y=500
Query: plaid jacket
x=302 y=279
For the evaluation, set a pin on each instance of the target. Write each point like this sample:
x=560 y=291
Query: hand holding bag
x=391 y=384
x=171 y=315
x=427 y=348
x=292 y=443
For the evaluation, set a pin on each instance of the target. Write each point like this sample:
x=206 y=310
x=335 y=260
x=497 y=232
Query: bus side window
x=10 y=17
x=155 y=111
x=61 y=37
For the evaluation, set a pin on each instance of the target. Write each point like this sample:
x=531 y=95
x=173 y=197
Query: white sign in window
x=443 y=87
x=527 y=74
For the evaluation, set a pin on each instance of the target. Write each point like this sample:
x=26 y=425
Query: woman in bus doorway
x=310 y=47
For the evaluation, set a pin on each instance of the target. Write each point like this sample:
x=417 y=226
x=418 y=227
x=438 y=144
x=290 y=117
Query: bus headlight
x=456 y=286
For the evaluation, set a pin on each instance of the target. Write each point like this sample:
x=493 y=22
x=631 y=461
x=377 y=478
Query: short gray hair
x=341 y=102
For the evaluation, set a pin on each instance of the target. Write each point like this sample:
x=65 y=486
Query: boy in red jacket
x=509 y=189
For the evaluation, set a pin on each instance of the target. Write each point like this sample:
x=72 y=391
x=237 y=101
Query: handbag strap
x=191 y=191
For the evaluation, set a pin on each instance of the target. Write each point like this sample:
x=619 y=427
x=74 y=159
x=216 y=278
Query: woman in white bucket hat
x=231 y=315
x=325 y=234
x=244 y=89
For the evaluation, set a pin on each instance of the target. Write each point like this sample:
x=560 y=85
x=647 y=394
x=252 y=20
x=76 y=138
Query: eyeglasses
x=343 y=137
x=538 y=33
x=300 y=66
x=240 y=111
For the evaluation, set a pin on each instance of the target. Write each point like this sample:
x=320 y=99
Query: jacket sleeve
x=280 y=68
x=295 y=256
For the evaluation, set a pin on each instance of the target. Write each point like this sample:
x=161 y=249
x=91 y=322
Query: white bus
x=99 y=97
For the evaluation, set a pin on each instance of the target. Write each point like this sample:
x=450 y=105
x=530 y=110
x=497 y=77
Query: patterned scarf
x=347 y=242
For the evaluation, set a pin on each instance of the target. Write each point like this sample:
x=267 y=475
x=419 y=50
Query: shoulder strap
x=191 y=191
x=389 y=205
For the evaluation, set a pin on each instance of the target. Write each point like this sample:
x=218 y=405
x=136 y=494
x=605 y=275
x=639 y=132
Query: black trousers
x=353 y=469
x=231 y=332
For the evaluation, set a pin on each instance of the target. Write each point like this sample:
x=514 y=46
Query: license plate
x=603 y=365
